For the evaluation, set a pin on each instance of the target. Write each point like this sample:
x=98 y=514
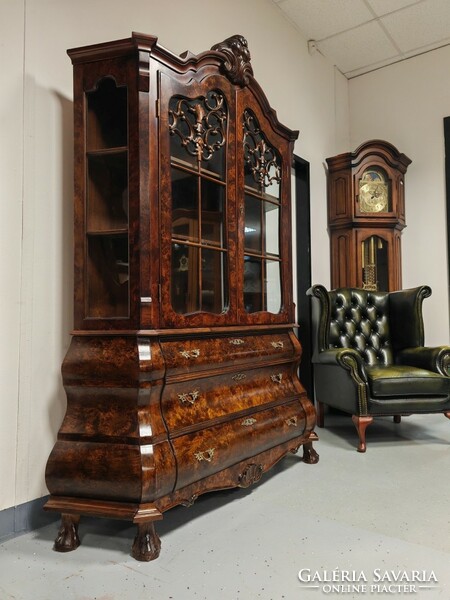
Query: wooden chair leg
x=320 y=413
x=397 y=418
x=361 y=423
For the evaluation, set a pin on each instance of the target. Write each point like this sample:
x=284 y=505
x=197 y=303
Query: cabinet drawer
x=188 y=403
x=211 y=450
x=197 y=354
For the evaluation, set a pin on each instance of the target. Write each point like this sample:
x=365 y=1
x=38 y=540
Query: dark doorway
x=447 y=186
x=303 y=251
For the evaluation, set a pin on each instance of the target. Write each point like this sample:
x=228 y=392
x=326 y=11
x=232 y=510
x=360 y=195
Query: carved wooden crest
x=237 y=59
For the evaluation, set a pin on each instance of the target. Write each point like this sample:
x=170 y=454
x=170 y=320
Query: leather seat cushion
x=405 y=381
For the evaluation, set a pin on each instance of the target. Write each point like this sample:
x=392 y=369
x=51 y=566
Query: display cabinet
x=181 y=377
x=366 y=216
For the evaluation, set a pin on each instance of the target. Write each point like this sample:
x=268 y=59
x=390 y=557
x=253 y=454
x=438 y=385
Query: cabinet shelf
x=107 y=151
x=106 y=232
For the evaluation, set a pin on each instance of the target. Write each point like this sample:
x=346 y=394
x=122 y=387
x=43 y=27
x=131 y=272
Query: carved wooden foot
x=310 y=456
x=67 y=538
x=146 y=545
x=397 y=418
x=361 y=423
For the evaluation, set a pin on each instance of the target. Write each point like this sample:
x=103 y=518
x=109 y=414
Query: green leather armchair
x=369 y=356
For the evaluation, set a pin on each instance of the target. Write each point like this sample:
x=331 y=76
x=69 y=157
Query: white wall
x=405 y=104
x=36 y=178
x=11 y=149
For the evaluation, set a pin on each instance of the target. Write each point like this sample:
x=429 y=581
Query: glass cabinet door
x=197 y=130
x=107 y=240
x=262 y=218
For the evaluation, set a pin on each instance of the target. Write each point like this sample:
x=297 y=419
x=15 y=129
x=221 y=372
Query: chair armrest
x=344 y=357
x=433 y=359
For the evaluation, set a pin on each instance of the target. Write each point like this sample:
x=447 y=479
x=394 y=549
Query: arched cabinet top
x=231 y=58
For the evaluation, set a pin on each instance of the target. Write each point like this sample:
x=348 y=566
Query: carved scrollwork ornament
x=251 y=474
x=237 y=59
x=200 y=124
x=259 y=156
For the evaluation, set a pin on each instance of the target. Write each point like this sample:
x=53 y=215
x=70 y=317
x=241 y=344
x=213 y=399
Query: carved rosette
x=237 y=65
x=251 y=474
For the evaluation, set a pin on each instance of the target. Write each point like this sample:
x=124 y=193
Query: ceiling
x=359 y=36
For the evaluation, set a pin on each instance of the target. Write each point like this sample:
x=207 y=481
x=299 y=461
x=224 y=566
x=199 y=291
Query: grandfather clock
x=366 y=216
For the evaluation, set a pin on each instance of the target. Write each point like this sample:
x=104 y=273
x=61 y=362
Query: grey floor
x=380 y=514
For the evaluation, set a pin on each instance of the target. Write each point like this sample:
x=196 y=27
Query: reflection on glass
x=214 y=293
x=185 y=283
x=253 y=226
x=184 y=205
x=272 y=225
x=253 y=300
x=107 y=276
x=272 y=286
x=273 y=189
x=213 y=195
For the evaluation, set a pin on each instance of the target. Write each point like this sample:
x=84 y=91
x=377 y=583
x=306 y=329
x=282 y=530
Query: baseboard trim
x=24 y=518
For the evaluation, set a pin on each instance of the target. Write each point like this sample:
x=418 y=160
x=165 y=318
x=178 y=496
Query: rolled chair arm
x=344 y=357
x=433 y=359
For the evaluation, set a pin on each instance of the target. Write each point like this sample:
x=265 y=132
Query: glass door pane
x=272 y=227
x=185 y=278
x=107 y=202
x=262 y=208
x=197 y=129
x=272 y=286
x=253 y=284
x=375 y=272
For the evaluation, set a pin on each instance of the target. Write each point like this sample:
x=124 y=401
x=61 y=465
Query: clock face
x=373 y=192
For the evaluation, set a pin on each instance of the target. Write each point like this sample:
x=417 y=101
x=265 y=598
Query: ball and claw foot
x=67 y=538
x=310 y=456
x=146 y=545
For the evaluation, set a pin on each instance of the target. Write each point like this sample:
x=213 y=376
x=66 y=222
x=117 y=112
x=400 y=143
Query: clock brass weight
x=366 y=216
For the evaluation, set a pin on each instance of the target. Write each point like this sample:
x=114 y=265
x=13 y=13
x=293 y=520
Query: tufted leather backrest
x=359 y=319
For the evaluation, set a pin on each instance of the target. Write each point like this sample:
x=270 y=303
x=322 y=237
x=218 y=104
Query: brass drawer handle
x=277 y=344
x=190 y=353
x=248 y=422
x=239 y=376
x=206 y=455
x=292 y=422
x=236 y=342
x=277 y=378
x=190 y=397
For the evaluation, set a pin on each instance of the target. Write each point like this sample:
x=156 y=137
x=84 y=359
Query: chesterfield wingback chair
x=369 y=356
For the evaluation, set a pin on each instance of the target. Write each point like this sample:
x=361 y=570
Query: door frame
x=301 y=197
